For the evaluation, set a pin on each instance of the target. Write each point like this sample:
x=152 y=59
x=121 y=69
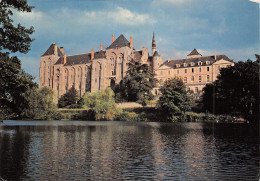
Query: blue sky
x=228 y=27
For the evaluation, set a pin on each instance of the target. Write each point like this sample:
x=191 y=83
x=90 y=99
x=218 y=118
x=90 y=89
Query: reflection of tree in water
x=14 y=154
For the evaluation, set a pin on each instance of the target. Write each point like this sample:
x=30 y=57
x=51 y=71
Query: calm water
x=65 y=150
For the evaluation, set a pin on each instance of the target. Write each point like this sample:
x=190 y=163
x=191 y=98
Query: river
x=82 y=150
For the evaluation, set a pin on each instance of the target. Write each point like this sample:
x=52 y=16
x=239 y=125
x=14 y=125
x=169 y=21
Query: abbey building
x=97 y=70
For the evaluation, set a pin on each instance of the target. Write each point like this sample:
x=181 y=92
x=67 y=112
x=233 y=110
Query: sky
x=229 y=27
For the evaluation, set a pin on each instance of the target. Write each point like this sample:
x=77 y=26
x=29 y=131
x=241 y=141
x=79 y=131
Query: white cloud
x=69 y=17
x=119 y=15
x=170 y=2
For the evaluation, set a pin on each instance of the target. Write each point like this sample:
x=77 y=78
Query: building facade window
x=207 y=68
x=185 y=79
x=200 y=69
x=192 y=79
x=199 y=78
x=192 y=70
x=208 y=78
x=196 y=89
x=185 y=71
x=199 y=63
x=184 y=65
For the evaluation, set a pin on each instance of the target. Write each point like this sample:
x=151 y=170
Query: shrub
x=103 y=104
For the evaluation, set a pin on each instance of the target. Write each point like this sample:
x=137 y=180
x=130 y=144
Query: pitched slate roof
x=121 y=41
x=194 y=52
x=156 y=54
x=50 y=51
x=81 y=58
x=188 y=61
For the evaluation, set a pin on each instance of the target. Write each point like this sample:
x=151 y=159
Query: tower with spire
x=153 y=45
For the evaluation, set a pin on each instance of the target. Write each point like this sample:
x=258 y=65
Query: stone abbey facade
x=97 y=70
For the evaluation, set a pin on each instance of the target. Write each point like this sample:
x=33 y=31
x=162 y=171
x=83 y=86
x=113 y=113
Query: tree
x=137 y=84
x=102 y=103
x=236 y=91
x=13 y=80
x=70 y=98
x=14 y=38
x=174 y=100
x=40 y=104
x=13 y=83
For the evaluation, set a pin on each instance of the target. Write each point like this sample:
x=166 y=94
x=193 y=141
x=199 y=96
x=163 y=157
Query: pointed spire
x=153 y=42
x=153 y=45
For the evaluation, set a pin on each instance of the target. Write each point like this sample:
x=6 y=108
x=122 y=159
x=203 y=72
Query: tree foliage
x=69 y=99
x=174 y=99
x=137 y=84
x=13 y=80
x=236 y=91
x=102 y=103
x=13 y=83
x=14 y=37
x=40 y=104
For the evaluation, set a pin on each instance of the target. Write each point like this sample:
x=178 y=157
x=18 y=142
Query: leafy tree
x=236 y=91
x=102 y=103
x=137 y=84
x=13 y=83
x=40 y=104
x=15 y=38
x=69 y=99
x=174 y=99
x=13 y=80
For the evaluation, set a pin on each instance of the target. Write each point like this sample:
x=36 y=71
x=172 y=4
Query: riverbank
x=148 y=114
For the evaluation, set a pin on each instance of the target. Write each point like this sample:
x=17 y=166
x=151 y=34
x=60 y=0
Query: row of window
x=192 y=78
x=186 y=71
x=192 y=64
x=196 y=90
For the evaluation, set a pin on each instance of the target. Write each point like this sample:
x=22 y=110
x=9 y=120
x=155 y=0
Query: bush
x=103 y=104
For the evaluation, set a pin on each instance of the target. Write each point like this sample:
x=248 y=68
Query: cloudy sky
x=228 y=27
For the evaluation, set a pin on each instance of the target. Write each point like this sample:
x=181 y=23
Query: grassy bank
x=146 y=114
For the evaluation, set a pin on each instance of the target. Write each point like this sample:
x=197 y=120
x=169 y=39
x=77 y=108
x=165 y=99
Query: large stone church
x=90 y=72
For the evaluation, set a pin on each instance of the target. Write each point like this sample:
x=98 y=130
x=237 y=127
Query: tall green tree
x=236 y=91
x=13 y=38
x=174 y=100
x=70 y=98
x=138 y=83
x=40 y=104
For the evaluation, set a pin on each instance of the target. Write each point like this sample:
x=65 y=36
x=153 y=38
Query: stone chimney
x=215 y=56
x=92 y=54
x=131 y=41
x=55 y=49
x=101 y=47
x=168 y=60
x=65 y=58
x=113 y=38
x=61 y=49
